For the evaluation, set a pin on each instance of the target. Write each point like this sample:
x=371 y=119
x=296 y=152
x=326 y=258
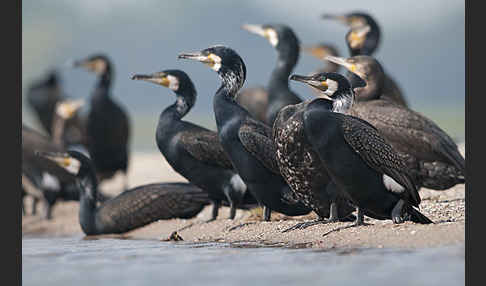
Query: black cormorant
x=364 y=168
x=288 y=48
x=248 y=142
x=108 y=124
x=43 y=96
x=193 y=151
x=131 y=209
x=431 y=155
x=363 y=38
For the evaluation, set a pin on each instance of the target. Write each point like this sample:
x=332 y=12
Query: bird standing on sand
x=131 y=209
x=364 y=168
x=193 y=151
x=108 y=125
x=248 y=142
x=432 y=157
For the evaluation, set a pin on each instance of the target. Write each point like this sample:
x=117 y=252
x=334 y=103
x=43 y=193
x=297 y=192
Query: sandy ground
x=445 y=208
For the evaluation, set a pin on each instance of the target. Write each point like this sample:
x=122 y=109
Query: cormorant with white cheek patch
x=131 y=209
x=364 y=168
x=248 y=142
x=108 y=125
x=284 y=40
x=193 y=151
x=363 y=38
x=432 y=157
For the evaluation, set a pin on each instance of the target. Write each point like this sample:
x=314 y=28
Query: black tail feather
x=417 y=216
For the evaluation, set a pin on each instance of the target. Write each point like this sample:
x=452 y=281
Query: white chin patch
x=50 y=182
x=217 y=62
x=173 y=82
x=332 y=86
x=73 y=167
x=272 y=37
x=392 y=185
x=237 y=183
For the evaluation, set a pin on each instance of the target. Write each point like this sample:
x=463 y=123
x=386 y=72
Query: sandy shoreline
x=445 y=208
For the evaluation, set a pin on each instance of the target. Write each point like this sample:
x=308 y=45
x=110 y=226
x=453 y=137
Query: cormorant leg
x=359 y=221
x=48 y=211
x=266 y=213
x=306 y=224
x=232 y=210
x=34 y=206
x=214 y=214
x=396 y=213
x=333 y=212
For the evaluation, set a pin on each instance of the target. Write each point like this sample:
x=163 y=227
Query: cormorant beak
x=268 y=33
x=310 y=80
x=64 y=160
x=67 y=108
x=340 y=18
x=255 y=29
x=98 y=66
x=157 y=78
x=212 y=60
x=315 y=51
x=343 y=62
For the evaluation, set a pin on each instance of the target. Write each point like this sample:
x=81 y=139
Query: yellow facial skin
x=98 y=66
x=356 y=40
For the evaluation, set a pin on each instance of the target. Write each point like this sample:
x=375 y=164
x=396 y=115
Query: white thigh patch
x=237 y=183
x=50 y=182
x=392 y=185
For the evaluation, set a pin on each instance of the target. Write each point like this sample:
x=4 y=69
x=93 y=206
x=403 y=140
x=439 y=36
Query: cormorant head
x=98 y=63
x=321 y=50
x=368 y=69
x=67 y=108
x=74 y=162
x=225 y=61
x=364 y=35
x=280 y=36
x=176 y=80
x=332 y=86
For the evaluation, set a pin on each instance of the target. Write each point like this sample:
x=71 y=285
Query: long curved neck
x=343 y=102
x=184 y=103
x=87 y=202
x=225 y=106
x=280 y=75
x=57 y=129
x=104 y=84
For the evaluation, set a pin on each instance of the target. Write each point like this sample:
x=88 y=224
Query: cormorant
x=43 y=96
x=284 y=40
x=131 y=209
x=255 y=101
x=248 y=142
x=193 y=151
x=363 y=166
x=363 y=38
x=431 y=155
x=108 y=125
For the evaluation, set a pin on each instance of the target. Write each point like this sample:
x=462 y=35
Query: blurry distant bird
x=43 y=97
x=107 y=124
x=364 y=38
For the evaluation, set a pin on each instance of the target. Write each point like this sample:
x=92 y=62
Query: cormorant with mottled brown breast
x=284 y=40
x=363 y=38
x=248 y=142
x=108 y=125
x=193 y=151
x=432 y=157
x=131 y=209
x=364 y=168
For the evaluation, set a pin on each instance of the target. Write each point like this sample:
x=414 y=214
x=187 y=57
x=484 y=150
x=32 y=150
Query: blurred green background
x=422 y=48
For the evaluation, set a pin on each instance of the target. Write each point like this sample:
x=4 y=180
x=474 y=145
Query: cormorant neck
x=104 y=82
x=87 y=202
x=343 y=102
x=285 y=64
x=225 y=106
x=57 y=129
x=372 y=90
